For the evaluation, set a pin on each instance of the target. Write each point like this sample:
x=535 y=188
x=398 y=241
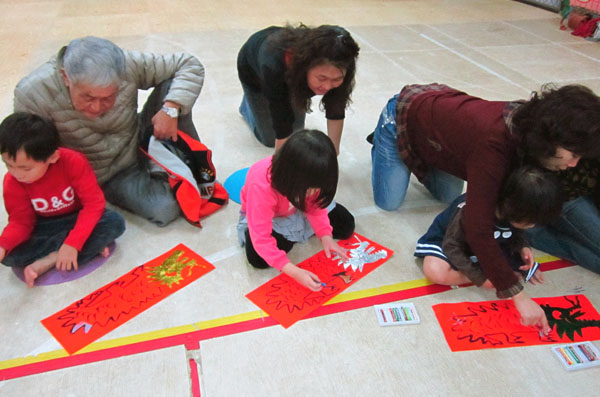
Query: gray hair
x=94 y=61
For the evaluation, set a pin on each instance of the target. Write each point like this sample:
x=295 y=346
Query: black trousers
x=341 y=220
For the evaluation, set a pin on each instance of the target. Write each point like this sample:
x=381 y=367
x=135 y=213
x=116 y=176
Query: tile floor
x=498 y=49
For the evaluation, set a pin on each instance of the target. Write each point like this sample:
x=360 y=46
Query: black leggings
x=341 y=221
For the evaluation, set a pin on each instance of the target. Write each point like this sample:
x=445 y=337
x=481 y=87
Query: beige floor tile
x=163 y=373
x=362 y=358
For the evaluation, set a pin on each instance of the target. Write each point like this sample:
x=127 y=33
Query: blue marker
x=532 y=271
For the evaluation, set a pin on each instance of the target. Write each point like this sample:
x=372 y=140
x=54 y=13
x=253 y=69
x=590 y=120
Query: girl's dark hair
x=566 y=117
x=306 y=160
x=37 y=136
x=530 y=195
x=309 y=47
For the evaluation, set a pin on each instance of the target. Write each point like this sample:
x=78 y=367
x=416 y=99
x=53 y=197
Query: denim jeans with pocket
x=390 y=176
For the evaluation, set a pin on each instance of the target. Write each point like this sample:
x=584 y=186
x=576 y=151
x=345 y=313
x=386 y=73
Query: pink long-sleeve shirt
x=262 y=203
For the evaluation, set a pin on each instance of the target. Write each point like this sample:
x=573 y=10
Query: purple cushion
x=54 y=276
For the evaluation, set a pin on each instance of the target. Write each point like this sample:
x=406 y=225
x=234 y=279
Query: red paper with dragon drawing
x=287 y=301
x=496 y=324
x=108 y=307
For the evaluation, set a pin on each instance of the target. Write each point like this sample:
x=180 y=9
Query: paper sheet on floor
x=95 y=315
x=286 y=301
x=496 y=324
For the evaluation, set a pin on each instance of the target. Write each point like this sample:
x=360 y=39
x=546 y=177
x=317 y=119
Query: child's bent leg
x=110 y=226
x=342 y=222
x=39 y=267
x=47 y=237
x=439 y=271
x=256 y=260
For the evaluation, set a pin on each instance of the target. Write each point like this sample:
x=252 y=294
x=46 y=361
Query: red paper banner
x=92 y=317
x=496 y=324
x=286 y=301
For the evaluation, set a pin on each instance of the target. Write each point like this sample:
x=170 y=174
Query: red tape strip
x=193 y=338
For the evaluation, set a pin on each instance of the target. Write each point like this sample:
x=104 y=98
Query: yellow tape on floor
x=203 y=325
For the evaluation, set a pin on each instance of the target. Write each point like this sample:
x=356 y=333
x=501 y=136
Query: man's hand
x=2 y=254
x=165 y=126
x=66 y=258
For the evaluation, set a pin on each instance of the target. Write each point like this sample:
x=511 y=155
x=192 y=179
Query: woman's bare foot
x=39 y=267
x=105 y=252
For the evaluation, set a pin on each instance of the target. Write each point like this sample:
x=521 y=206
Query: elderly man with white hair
x=90 y=91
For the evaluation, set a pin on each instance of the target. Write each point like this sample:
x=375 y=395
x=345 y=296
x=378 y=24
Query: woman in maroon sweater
x=445 y=137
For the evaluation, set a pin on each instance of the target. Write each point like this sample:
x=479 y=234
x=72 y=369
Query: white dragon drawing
x=361 y=254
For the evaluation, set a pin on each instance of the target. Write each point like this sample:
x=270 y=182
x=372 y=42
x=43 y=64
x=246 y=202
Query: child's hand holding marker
x=531 y=273
x=309 y=279
x=535 y=275
x=303 y=277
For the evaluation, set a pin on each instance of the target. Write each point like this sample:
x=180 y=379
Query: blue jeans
x=255 y=111
x=49 y=234
x=575 y=236
x=390 y=176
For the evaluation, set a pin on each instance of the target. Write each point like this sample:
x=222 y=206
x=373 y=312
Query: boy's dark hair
x=315 y=46
x=530 y=195
x=566 y=117
x=306 y=160
x=37 y=136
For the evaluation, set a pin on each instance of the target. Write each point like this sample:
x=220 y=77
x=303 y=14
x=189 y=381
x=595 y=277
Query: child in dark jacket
x=529 y=196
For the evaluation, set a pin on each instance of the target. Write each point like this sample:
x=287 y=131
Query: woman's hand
x=532 y=315
x=303 y=277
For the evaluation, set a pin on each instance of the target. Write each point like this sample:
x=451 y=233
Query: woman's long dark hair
x=310 y=47
x=307 y=160
x=566 y=117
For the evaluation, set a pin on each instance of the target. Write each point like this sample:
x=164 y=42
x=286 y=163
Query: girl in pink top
x=285 y=200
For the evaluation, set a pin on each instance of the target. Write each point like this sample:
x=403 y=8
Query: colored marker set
x=578 y=355
x=396 y=314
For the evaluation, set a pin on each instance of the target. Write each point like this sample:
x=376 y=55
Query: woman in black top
x=281 y=68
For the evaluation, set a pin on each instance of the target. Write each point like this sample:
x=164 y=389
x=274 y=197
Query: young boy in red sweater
x=56 y=209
